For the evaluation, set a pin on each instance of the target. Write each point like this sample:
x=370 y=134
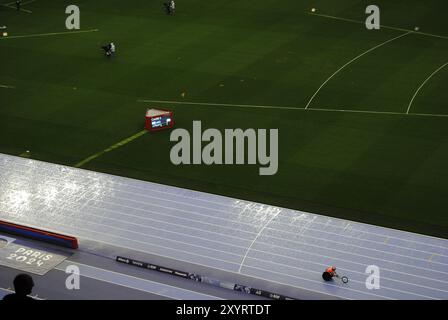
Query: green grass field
x=380 y=166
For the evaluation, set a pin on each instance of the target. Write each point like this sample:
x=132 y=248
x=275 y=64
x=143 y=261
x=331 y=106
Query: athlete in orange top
x=332 y=271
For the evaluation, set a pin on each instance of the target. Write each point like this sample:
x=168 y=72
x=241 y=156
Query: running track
x=279 y=245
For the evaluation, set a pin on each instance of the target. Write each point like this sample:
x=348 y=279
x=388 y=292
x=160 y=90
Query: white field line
x=382 y=26
x=423 y=84
x=230 y=220
x=218 y=104
x=28 y=2
x=48 y=34
x=23 y=4
x=350 y=62
x=210 y=104
x=14 y=8
x=4 y=86
x=127 y=276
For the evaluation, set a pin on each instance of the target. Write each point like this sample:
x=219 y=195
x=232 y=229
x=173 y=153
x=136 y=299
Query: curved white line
x=351 y=61
x=215 y=202
x=245 y=239
x=255 y=239
x=422 y=85
x=228 y=262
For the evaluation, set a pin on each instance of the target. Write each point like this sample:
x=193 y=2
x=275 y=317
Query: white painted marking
x=423 y=84
x=211 y=104
x=350 y=62
x=382 y=26
x=144 y=285
x=255 y=239
x=48 y=34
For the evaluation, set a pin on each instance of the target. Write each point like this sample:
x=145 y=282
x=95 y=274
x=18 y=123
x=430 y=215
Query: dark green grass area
x=70 y=102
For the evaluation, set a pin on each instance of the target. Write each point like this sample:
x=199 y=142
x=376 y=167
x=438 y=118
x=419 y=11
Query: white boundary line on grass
x=382 y=26
x=4 y=86
x=48 y=34
x=351 y=61
x=28 y=2
x=21 y=9
x=291 y=108
x=423 y=84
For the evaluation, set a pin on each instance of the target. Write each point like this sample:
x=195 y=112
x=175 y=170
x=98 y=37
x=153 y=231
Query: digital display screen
x=162 y=121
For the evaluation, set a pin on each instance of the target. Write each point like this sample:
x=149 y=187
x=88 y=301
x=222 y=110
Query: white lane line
x=229 y=228
x=28 y=2
x=48 y=34
x=228 y=262
x=125 y=280
x=187 y=235
x=345 y=110
x=290 y=249
x=152 y=244
x=8 y=291
x=207 y=257
x=239 y=238
x=382 y=26
x=350 y=62
x=233 y=254
x=216 y=209
x=255 y=239
x=194 y=213
x=383 y=287
x=336 y=259
x=357 y=254
x=274 y=237
x=362 y=247
x=182 y=243
x=318 y=273
x=221 y=269
x=305 y=236
x=423 y=84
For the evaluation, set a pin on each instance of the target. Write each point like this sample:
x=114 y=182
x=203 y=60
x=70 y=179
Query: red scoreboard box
x=159 y=119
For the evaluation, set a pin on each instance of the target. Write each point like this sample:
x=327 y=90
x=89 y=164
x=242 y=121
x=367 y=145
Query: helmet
x=333 y=268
